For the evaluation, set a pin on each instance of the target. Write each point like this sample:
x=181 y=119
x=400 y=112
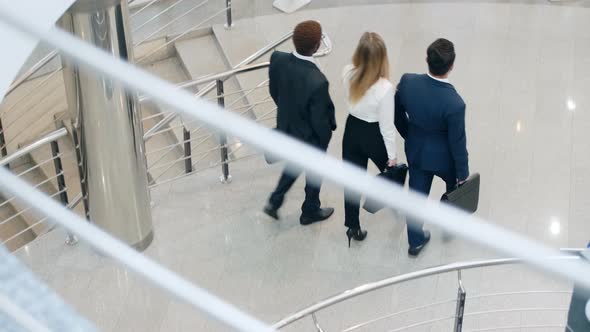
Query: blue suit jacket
x=430 y=116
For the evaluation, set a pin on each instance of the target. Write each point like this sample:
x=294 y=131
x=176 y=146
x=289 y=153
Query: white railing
x=459 y=314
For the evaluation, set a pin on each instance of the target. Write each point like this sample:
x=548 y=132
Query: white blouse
x=376 y=105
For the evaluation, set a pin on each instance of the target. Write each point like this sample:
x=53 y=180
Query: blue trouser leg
x=420 y=181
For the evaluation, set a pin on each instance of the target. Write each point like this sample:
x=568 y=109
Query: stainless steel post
x=81 y=174
x=59 y=173
x=316 y=323
x=229 y=21
x=460 y=310
x=61 y=185
x=188 y=161
x=107 y=121
x=225 y=177
x=3 y=150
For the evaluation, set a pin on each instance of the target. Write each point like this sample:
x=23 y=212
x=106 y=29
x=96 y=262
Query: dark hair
x=440 y=56
x=307 y=37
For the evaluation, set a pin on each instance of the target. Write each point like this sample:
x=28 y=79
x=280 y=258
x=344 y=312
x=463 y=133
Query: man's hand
x=391 y=162
x=461 y=182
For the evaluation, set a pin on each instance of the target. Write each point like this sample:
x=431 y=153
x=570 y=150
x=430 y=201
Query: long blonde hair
x=370 y=64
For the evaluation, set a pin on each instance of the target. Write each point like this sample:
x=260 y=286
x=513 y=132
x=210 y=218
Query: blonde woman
x=370 y=131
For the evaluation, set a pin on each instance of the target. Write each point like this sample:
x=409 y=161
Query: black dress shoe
x=320 y=215
x=414 y=251
x=271 y=211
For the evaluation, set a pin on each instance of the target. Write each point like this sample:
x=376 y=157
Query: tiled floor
x=524 y=72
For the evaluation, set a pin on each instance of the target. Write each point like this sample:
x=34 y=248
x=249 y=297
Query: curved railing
x=459 y=267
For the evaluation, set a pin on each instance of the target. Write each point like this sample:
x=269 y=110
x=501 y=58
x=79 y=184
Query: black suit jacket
x=430 y=116
x=301 y=91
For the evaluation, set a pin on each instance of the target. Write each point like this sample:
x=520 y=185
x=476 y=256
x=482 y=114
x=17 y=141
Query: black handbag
x=465 y=196
x=396 y=174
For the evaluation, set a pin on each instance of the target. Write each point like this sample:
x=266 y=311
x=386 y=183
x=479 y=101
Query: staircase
x=19 y=225
x=39 y=106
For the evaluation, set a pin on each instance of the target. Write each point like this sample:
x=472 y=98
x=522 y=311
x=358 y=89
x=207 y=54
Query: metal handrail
x=153 y=131
x=159 y=29
x=242 y=67
x=223 y=75
x=45 y=60
x=526 y=327
x=142 y=8
x=5 y=221
x=366 y=288
x=487 y=295
x=156 y=16
x=405 y=311
x=171 y=41
x=62 y=132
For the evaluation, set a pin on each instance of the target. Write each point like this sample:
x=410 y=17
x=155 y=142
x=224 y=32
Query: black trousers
x=312 y=202
x=421 y=181
x=362 y=141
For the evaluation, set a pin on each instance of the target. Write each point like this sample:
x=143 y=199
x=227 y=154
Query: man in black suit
x=305 y=112
x=430 y=116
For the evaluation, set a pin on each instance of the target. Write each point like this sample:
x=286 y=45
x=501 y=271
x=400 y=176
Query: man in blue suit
x=430 y=116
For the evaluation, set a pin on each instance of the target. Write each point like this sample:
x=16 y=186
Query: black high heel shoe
x=356 y=234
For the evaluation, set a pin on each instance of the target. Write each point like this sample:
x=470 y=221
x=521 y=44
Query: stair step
x=160 y=158
x=236 y=45
x=199 y=57
x=194 y=17
x=43 y=155
x=13 y=227
x=35 y=177
x=30 y=110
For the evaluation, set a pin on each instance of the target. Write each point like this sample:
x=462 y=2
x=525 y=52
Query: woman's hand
x=391 y=162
